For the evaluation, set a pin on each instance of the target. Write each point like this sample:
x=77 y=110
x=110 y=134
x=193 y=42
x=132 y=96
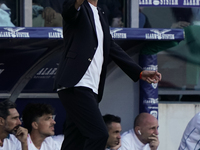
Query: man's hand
x=48 y=14
x=117 y=22
x=117 y=146
x=154 y=142
x=21 y=134
x=180 y=24
x=151 y=76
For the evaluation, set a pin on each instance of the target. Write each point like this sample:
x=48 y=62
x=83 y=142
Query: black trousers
x=85 y=128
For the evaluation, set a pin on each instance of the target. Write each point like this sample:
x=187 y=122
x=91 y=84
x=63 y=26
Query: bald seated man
x=143 y=136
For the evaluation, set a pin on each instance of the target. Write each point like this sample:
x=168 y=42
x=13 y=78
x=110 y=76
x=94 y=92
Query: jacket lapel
x=105 y=29
x=104 y=24
x=102 y=20
x=90 y=14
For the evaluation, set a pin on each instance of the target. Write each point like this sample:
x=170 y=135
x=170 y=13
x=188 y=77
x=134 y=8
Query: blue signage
x=148 y=92
x=169 y=3
x=116 y=33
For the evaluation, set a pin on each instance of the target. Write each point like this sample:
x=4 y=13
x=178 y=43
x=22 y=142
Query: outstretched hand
x=151 y=76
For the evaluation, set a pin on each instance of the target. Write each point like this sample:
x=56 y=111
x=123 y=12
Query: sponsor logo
x=169 y=2
x=151 y=101
x=14 y=32
x=156 y=2
x=159 y=2
x=154 y=113
x=152 y=107
x=154 y=85
x=46 y=73
x=151 y=67
x=116 y=35
x=145 y=2
x=57 y=34
x=159 y=34
x=191 y=2
x=1 y=71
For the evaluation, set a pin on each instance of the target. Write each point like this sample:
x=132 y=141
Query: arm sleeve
x=125 y=62
x=69 y=11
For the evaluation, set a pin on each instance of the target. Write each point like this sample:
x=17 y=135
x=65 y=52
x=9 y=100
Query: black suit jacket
x=80 y=45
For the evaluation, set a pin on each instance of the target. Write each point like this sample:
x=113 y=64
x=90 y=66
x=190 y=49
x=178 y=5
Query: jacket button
x=95 y=48
x=89 y=59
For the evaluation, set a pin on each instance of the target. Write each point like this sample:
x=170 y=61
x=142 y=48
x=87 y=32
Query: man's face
x=12 y=122
x=148 y=129
x=46 y=125
x=114 y=134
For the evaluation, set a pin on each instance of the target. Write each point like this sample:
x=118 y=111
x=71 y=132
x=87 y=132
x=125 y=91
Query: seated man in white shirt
x=144 y=135
x=58 y=139
x=5 y=12
x=12 y=135
x=38 y=119
x=190 y=138
x=114 y=128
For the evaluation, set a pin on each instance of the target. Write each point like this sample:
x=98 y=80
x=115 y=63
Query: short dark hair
x=33 y=111
x=4 y=108
x=108 y=119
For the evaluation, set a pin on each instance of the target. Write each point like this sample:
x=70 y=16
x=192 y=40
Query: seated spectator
x=45 y=17
x=182 y=16
x=144 y=135
x=5 y=20
x=12 y=135
x=190 y=138
x=114 y=128
x=38 y=119
x=185 y=17
x=58 y=139
x=143 y=20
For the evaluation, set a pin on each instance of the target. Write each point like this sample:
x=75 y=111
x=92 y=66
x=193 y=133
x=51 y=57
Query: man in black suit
x=82 y=71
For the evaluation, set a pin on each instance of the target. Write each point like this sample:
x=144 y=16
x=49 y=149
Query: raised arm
x=71 y=9
x=78 y=3
x=131 y=68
